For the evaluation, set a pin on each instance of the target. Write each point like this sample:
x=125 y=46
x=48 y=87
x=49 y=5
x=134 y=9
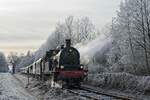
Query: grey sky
x=25 y=24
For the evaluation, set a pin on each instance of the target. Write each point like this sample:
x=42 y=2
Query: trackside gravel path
x=11 y=89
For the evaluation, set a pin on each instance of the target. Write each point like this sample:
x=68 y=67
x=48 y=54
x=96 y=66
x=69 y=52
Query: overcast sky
x=26 y=24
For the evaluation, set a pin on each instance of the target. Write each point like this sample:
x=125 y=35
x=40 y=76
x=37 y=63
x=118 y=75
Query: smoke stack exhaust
x=68 y=42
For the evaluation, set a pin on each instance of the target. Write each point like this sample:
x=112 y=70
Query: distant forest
x=3 y=63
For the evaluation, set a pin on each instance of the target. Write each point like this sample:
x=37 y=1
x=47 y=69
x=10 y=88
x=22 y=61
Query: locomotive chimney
x=62 y=47
x=68 y=42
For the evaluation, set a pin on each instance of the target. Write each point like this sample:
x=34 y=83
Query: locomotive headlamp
x=81 y=67
x=62 y=67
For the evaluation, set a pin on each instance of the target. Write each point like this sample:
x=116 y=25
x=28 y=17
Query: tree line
x=131 y=33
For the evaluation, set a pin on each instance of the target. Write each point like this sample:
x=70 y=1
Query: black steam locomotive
x=60 y=65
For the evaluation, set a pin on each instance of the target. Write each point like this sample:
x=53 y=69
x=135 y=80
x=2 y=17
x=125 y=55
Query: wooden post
x=43 y=69
x=13 y=68
x=27 y=78
x=41 y=73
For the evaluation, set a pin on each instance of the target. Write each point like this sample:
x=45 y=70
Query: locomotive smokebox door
x=68 y=42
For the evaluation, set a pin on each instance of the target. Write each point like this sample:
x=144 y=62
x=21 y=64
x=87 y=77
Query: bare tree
x=84 y=29
x=69 y=26
x=13 y=57
x=144 y=34
x=130 y=37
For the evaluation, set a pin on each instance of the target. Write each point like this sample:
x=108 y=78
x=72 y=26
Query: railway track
x=90 y=95
x=94 y=94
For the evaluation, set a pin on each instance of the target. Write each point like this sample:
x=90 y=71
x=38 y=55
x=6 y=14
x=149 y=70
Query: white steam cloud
x=99 y=46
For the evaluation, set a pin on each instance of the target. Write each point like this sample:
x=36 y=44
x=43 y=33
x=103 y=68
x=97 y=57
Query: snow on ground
x=59 y=94
x=43 y=91
x=11 y=89
x=122 y=83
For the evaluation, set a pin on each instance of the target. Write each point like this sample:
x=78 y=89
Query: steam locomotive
x=60 y=65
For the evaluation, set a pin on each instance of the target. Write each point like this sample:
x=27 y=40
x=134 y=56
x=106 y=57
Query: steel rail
x=83 y=95
x=96 y=91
